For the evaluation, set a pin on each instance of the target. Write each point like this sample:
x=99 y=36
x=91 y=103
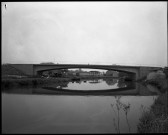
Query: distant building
x=112 y=73
x=73 y=73
x=84 y=73
x=95 y=73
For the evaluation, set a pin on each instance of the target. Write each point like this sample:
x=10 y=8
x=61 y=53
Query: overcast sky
x=126 y=33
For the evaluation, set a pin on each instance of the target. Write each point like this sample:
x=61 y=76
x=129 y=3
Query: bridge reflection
x=134 y=90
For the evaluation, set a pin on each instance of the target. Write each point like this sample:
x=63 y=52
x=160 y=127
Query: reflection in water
x=63 y=85
x=94 y=87
x=153 y=89
x=77 y=81
x=95 y=81
x=110 y=81
x=84 y=89
x=98 y=84
x=95 y=84
x=121 y=83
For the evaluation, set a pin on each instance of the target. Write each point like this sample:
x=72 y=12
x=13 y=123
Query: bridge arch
x=134 y=73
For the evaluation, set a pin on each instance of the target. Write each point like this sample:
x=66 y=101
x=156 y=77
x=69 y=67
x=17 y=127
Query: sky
x=123 y=33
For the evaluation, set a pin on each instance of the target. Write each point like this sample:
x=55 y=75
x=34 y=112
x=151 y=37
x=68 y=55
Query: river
x=42 y=110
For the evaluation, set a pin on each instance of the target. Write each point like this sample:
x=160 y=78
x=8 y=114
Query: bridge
x=37 y=69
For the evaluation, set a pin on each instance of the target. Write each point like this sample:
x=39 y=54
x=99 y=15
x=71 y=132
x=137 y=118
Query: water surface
x=38 y=110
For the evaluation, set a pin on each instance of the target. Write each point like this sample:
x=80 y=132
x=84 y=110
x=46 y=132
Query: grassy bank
x=156 y=119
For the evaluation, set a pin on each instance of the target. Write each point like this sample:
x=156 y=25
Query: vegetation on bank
x=7 y=69
x=9 y=82
x=155 y=120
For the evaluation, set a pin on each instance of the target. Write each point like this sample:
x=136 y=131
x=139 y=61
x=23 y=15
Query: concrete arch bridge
x=36 y=69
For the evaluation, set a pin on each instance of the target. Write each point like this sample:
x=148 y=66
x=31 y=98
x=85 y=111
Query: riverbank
x=155 y=120
x=7 y=83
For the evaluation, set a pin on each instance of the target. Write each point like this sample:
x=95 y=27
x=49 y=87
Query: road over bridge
x=36 y=69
